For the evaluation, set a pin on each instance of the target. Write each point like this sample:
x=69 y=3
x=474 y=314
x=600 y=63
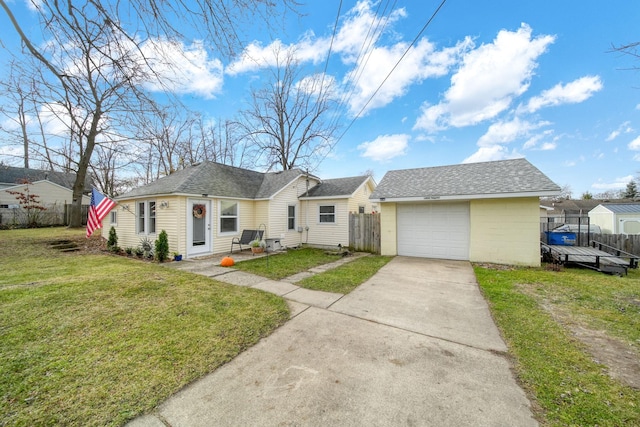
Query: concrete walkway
x=413 y=346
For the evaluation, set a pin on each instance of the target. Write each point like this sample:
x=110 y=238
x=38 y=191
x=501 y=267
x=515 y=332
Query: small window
x=145 y=216
x=228 y=216
x=114 y=216
x=141 y=218
x=360 y=209
x=327 y=214
x=291 y=217
x=4 y=206
x=152 y=217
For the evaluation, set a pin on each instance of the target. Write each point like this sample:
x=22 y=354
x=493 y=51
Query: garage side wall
x=505 y=231
x=388 y=229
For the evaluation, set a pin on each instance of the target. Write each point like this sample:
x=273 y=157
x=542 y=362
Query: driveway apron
x=413 y=346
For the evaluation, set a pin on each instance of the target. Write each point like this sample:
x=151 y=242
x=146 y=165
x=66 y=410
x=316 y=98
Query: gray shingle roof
x=12 y=175
x=336 y=187
x=217 y=180
x=471 y=179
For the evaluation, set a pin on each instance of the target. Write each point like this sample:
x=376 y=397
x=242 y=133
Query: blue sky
x=484 y=81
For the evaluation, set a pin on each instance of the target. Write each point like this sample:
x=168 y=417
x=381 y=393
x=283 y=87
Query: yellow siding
x=165 y=220
x=505 y=231
x=388 y=229
x=222 y=243
x=361 y=198
x=125 y=225
x=327 y=234
x=278 y=214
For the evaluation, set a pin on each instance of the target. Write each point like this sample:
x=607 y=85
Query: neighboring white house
x=481 y=212
x=51 y=190
x=617 y=218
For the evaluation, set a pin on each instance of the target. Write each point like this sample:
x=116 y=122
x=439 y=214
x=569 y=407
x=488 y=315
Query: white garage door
x=434 y=230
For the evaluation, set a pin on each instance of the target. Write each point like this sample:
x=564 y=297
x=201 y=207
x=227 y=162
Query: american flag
x=99 y=208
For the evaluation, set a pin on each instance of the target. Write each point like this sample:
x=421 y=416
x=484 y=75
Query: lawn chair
x=247 y=237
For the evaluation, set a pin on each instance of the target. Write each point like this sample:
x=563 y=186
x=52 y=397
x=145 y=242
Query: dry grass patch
x=553 y=323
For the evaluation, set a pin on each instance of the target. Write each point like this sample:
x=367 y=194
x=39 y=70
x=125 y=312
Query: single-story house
x=53 y=190
x=205 y=206
x=481 y=212
x=616 y=218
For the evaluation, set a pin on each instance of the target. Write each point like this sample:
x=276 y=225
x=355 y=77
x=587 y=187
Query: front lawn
x=92 y=339
x=347 y=277
x=555 y=324
x=293 y=261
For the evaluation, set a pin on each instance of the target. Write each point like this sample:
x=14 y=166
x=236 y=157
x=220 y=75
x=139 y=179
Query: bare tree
x=221 y=142
x=18 y=111
x=631 y=49
x=286 y=121
x=93 y=66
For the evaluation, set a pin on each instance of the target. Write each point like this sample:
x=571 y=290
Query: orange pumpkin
x=227 y=262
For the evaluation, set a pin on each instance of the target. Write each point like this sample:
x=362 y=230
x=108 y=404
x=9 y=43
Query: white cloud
x=492 y=145
x=548 y=146
x=508 y=131
x=362 y=49
x=182 y=69
x=534 y=143
x=617 y=184
x=572 y=93
x=634 y=145
x=422 y=61
x=385 y=147
x=491 y=153
x=623 y=128
x=488 y=79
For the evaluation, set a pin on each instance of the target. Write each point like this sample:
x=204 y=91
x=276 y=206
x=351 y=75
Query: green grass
x=279 y=266
x=93 y=339
x=347 y=277
x=561 y=376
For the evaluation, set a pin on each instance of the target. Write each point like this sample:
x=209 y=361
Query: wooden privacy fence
x=364 y=232
x=626 y=242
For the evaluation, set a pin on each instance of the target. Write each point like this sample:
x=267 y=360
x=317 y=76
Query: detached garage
x=481 y=212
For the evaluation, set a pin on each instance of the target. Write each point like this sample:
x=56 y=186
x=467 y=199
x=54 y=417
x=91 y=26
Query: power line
x=393 y=69
x=366 y=49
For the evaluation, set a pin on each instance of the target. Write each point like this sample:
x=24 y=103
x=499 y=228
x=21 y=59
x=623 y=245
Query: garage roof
x=505 y=178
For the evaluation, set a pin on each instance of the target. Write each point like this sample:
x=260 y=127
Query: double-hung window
x=228 y=216
x=327 y=214
x=291 y=217
x=146 y=216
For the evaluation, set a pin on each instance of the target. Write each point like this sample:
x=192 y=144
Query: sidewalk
x=286 y=288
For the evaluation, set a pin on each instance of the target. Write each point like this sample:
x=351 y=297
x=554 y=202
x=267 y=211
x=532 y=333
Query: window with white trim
x=228 y=216
x=291 y=217
x=327 y=214
x=113 y=216
x=146 y=217
x=361 y=209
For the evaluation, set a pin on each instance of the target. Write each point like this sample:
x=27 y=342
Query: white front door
x=198 y=227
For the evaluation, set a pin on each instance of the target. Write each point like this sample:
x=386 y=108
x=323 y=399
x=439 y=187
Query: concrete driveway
x=413 y=346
